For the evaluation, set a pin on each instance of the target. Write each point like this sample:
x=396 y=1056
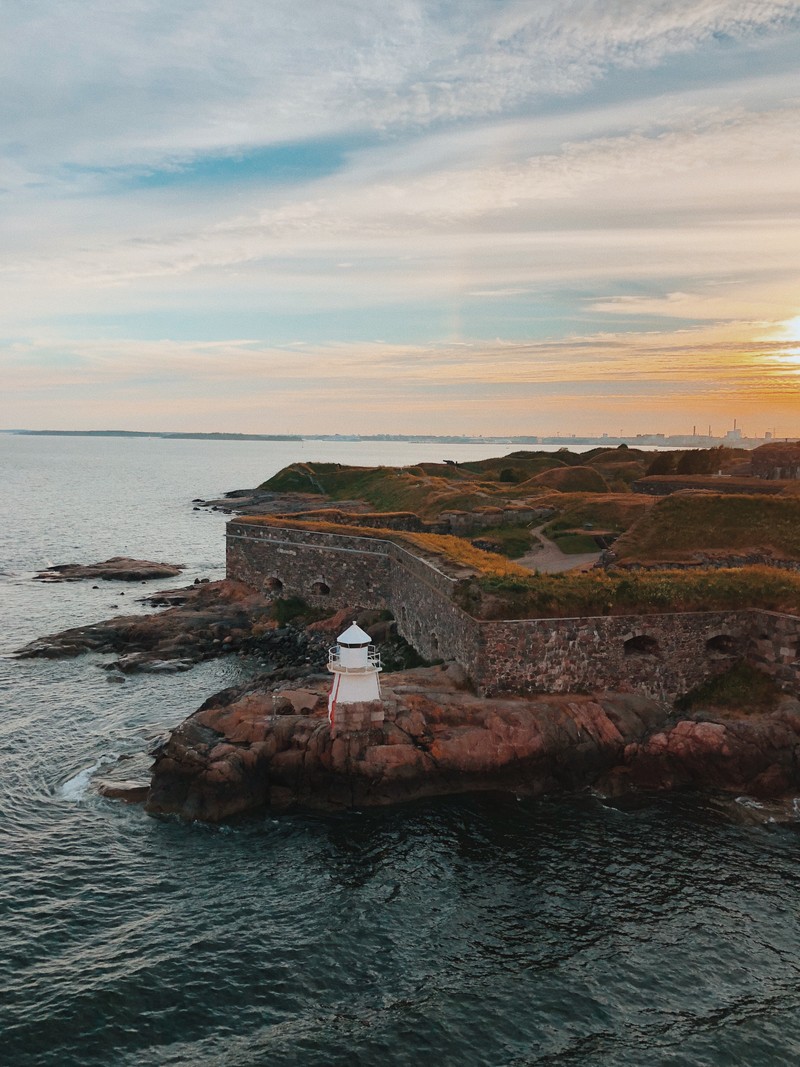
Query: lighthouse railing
x=335 y=661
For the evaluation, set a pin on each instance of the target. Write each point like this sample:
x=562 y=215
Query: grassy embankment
x=499 y=588
x=675 y=529
x=428 y=489
x=683 y=527
x=644 y=592
x=521 y=480
x=454 y=553
x=613 y=514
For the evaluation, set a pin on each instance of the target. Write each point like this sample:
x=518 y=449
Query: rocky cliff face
x=245 y=750
x=277 y=749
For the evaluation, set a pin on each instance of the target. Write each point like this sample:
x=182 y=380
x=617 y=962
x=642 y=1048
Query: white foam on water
x=76 y=787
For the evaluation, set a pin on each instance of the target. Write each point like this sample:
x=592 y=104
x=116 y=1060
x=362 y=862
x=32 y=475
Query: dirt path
x=548 y=558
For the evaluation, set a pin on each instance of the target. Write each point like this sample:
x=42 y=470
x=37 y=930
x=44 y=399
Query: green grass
x=388 y=488
x=682 y=525
x=599 y=592
x=574 y=544
x=287 y=609
x=510 y=541
x=742 y=688
x=615 y=512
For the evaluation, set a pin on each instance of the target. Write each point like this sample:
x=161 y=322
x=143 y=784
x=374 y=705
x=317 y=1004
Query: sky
x=400 y=216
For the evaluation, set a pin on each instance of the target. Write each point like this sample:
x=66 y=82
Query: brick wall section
x=524 y=655
x=775 y=647
x=421 y=601
x=355 y=569
x=564 y=655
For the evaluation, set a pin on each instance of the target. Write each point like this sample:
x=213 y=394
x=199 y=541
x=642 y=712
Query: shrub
x=288 y=608
x=742 y=688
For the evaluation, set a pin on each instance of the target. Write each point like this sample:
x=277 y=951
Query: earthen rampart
x=662 y=656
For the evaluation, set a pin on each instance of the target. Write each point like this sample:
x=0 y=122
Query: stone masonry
x=661 y=656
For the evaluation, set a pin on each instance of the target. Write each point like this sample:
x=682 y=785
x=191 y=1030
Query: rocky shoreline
x=116 y=569
x=268 y=744
x=272 y=747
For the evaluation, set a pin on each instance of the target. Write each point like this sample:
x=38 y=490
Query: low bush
x=599 y=592
x=742 y=688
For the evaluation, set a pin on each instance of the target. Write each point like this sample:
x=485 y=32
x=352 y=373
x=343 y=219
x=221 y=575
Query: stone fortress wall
x=662 y=656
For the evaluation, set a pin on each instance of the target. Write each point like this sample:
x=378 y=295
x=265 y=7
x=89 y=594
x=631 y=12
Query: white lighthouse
x=355 y=665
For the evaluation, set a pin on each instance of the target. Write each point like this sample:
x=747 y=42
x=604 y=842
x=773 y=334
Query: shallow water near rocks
x=468 y=931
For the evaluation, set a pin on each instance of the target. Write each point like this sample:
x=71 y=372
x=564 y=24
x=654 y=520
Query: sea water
x=477 y=930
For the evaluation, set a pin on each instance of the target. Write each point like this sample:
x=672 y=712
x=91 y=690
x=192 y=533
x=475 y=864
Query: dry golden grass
x=600 y=592
x=446 y=547
x=682 y=526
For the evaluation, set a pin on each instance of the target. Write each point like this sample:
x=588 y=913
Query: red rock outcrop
x=759 y=756
x=243 y=751
x=240 y=753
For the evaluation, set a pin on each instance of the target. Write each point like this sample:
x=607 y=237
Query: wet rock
x=758 y=756
x=247 y=749
x=118 y=568
x=268 y=745
x=131 y=791
x=184 y=632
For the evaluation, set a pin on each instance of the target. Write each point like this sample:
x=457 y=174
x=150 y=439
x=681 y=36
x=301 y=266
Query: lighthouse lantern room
x=355 y=665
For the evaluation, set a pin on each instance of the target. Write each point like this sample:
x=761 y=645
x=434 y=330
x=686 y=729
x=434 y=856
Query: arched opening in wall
x=641 y=645
x=273 y=585
x=722 y=645
x=321 y=589
x=434 y=645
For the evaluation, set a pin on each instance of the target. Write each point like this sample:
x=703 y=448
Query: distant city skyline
x=483 y=217
x=733 y=437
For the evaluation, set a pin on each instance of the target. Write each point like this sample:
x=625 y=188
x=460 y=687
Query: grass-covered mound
x=514 y=468
x=613 y=512
x=386 y=488
x=430 y=488
x=685 y=526
x=597 y=592
x=569 y=480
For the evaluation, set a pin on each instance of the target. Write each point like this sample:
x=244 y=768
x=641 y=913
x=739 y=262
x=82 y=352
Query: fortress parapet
x=660 y=655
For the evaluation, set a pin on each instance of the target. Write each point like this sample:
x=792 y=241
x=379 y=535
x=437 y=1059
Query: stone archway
x=641 y=645
x=722 y=645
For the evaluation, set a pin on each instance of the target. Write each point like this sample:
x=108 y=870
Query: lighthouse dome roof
x=354 y=637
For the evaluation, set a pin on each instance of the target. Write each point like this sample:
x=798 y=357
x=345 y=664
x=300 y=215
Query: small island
x=657 y=647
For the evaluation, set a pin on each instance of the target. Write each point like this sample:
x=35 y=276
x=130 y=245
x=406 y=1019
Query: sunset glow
x=477 y=218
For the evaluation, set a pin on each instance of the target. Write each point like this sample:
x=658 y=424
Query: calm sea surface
x=470 y=931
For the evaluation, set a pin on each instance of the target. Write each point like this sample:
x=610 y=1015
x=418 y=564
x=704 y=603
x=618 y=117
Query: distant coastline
x=732 y=439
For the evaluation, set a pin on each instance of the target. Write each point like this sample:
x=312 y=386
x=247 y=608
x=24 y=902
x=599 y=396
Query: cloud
x=568 y=177
x=655 y=202
x=141 y=83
